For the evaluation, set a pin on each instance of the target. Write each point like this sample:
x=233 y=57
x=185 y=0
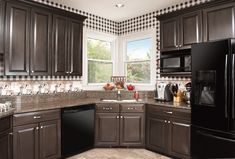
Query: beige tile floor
x=118 y=153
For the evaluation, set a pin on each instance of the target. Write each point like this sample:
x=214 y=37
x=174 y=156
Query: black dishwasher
x=77 y=124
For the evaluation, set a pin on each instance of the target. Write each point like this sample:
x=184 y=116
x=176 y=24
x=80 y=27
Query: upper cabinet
x=41 y=40
x=206 y=22
x=67 y=54
x=219 y=22
x=181 y=31
x=17 y=39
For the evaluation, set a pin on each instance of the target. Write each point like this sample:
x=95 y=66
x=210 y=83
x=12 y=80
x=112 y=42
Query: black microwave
x=175 y=63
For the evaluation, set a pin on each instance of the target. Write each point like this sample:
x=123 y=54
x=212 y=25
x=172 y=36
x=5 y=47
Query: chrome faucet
x=118 y=95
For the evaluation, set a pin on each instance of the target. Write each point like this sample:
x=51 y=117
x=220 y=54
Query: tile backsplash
x=9 y=88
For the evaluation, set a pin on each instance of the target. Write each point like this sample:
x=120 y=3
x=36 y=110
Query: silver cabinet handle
x=117 y=117
x=121 y=117
x=180 y=45
x=130 y=108
x=169 y=112
x=32 y=71
x=37 y=117
x=169 y=122
x=181 y=124
x=41 y=127
x=107 y=108
x=165 y=121
x=10 y=133
x=37 y=128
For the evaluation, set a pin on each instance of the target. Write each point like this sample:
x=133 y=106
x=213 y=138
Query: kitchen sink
x=123 y=100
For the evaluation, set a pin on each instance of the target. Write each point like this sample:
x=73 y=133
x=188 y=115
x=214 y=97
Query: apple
x=130 y=87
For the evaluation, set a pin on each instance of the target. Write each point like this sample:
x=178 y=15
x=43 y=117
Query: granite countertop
x=22 y=107
x=11 y=111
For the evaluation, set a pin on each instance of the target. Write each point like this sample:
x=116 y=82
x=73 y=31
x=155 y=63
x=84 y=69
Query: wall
x=14 y=85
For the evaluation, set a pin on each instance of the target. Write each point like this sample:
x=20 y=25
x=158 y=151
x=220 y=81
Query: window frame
x=88 y=33
x=149 y=33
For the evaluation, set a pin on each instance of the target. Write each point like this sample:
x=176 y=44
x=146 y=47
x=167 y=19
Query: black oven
x=175 y=63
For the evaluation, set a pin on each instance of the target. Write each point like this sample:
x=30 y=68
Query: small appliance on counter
x=163 y=92
x=187 y=93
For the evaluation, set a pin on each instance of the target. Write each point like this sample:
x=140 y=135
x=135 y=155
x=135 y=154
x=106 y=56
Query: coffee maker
x=163 y=92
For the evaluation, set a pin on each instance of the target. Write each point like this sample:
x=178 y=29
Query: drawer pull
x=117 y=117
x=37 y=117
x=169 y=112
x=107 y=108
x=37 y=128
x=41 y=127
x=165 y=121
x=121 y=117
x=130 y=108
x=11 y=134
x=169 y=122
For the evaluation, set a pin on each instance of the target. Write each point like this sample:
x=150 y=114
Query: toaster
x=163 y=92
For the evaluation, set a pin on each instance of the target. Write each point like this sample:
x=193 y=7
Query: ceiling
x=107 y=9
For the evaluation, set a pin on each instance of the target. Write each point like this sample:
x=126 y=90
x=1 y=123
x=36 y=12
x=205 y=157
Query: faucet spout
x=119 y=95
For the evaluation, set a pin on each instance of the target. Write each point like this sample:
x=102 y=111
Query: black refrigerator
x=212 y=100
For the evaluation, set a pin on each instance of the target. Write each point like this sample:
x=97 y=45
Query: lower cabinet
x=37 y=135
x=168 y=131
x=6 y=138
x=116 y=127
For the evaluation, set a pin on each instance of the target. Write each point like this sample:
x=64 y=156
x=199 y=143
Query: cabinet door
x=169 y=34
x=2 y=20
x=17 y=39
x=5 y=146
x=132 y=129
x=25 y=142
x=180 y=138
x=75 y=48
x=107 y=129
x=40 y=59
x=190 y=29
x=60 y=48
x=50 y=139
x=219 y=22
x=156 y=134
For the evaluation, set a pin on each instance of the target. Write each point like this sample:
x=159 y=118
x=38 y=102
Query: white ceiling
x=107 y=9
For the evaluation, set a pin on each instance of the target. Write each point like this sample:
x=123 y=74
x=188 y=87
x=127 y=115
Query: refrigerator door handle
x=233 y=93
x=226 y=85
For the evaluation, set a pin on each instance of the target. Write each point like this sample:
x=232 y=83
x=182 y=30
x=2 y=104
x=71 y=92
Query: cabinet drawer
x=5 y=124
x=158 y=110
x=132 y=107
x=34 y=117
x=107 y=108
x=181 y=114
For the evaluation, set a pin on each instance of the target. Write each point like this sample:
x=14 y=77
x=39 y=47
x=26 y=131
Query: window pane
x=139 y=49
x=98 y=49
x=99 y=72
x=138 y=72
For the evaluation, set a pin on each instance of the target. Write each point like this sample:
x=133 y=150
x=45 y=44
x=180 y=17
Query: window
x=100 y=64
x=138 y=61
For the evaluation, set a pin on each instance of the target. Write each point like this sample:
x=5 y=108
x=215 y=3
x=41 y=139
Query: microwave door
x=210 y=85
x=232 y=127
x=171 y=64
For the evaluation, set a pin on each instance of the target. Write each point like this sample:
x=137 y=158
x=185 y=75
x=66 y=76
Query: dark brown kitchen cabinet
x=25 y=142
x=49 y=139
x=28 y=40
x=120 y=125
x=75 y=48
x=156 y=134
x=168 y=131
x=40 y=42
x=219 y=22
x=6 y=137
x=67 y=52
x=132 y=129
x=107 y=129
x=181 y=31
x=36 y=135
x=17 y=39
x=2 y=19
